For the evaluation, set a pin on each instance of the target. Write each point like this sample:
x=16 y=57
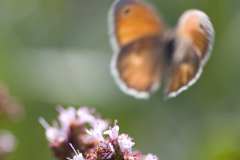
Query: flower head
x=93 y=136
x=67 y=117
x=54 y=135
x=85 y=115
x=125 y=143
x=113 y=132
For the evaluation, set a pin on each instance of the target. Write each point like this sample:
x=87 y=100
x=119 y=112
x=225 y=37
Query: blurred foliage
x=57 y=52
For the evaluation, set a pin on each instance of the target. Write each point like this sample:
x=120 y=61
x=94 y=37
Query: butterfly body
x=147 y=55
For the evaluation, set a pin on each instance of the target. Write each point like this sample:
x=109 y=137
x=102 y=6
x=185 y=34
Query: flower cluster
x=91 y=135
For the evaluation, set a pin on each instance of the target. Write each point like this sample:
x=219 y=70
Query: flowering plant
x=84 y=135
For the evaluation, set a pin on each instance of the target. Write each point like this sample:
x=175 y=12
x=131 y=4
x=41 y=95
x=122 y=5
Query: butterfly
x=148 y=55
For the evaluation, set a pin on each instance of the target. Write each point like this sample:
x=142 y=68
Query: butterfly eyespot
x=126 y=11
x=201 y=26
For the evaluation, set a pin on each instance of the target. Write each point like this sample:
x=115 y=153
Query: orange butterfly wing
x=135 y=30
x=194 y=39
x=131 y=20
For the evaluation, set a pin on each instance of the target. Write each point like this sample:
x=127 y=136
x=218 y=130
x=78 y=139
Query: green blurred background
x=57 y=52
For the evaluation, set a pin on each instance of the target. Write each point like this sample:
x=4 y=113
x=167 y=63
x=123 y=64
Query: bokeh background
x=57 y=52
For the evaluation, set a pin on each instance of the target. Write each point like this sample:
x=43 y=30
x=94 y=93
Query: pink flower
x=113 y=132
x=54 y=135
x=150 y=157
x=67 y=117
x=95 y=134
x=85 y=115
x=125 y=143
x=100 y=125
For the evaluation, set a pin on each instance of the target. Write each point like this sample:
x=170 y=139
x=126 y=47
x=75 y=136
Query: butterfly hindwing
x=182 y=70
x=194 y=38
x=139 y=67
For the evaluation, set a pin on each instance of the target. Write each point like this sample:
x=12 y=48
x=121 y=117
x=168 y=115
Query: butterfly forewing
x=132 y=20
